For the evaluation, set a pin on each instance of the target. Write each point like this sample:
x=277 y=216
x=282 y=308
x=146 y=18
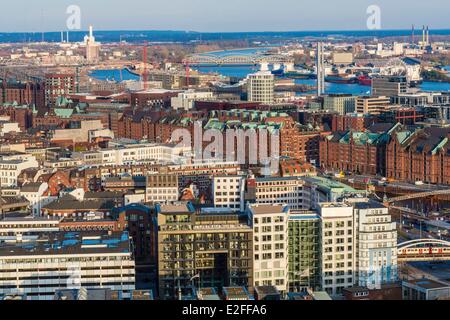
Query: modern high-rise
x=270 y=245
x=304 y=251
x=338 y=247
x=208 y=248
x=260 y=87
x=376 y=242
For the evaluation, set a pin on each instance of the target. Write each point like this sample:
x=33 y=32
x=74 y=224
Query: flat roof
x=427 y=283
x=369 y=205
x=331 y=185
x=176 y=208
x=269 y=208
x=68 y=243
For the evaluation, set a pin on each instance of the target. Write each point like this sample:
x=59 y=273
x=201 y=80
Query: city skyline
x=205 y=16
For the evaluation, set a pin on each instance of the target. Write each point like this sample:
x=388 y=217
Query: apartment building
x=260 y=87
x=270 y=245
x=338 y=247
x=67 y=260
x=12 y=164
x=161 y=188
x=376 y=243
x=304 y=251
x=228 y=192
x=208 y=248
x=372 y=105
x=58 y=85
x=274 y=190
x=340 y=103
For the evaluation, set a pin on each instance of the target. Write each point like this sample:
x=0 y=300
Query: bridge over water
x=239 y=59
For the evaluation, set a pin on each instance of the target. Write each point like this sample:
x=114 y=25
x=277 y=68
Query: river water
x=243 y=71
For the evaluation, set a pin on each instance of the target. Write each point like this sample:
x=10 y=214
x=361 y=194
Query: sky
x=222 y=15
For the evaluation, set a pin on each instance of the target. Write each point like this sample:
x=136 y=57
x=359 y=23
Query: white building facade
x=270 y=245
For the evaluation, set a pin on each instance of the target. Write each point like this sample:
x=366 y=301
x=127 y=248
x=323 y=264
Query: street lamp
x=197 y=276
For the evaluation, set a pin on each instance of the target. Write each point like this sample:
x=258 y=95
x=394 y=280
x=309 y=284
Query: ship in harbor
x=344 y=78
x=365 y=80
x=300 y=74
x=294 y=73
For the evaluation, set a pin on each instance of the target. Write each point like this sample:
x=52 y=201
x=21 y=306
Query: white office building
x=134 y=154
x=376 y=240
x=260 y=87
x=338 y=247
x=270 y=245
x=228 y=192
x=274 y=190
x=67 y=260
x=186 y=100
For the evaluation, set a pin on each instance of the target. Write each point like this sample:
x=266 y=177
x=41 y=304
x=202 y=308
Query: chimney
x=423 y=35
x=428 y=36
x=91 y=32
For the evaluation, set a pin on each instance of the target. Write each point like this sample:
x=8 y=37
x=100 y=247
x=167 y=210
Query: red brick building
x=149 y=99
x=357 y=152
x=23 y=93
x=20 y=114
x=423 y=155
x=356 y=122
x=58 y=85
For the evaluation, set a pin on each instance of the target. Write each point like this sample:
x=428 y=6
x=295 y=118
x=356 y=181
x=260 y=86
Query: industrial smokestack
x=423 y=35
x=91 y=32
x=428 y=36
x=413 y=36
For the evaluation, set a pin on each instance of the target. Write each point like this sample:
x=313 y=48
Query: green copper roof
x=63 y=112
x=439 y=146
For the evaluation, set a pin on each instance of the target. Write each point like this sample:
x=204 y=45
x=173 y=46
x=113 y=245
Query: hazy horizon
x=225 y=16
